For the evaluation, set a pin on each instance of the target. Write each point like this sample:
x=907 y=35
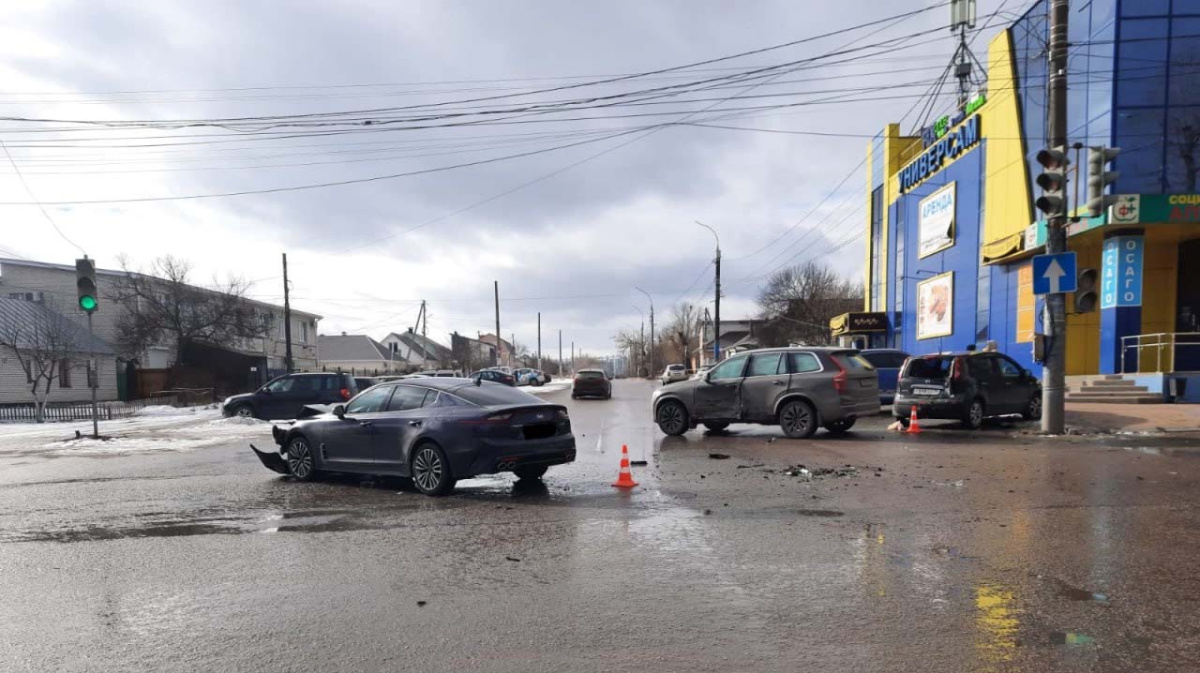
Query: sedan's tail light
x=345 y=392
x=839 y=379
x=495 y=419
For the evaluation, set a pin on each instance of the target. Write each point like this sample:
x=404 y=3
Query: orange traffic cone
x=624 y=477
x=914 y=427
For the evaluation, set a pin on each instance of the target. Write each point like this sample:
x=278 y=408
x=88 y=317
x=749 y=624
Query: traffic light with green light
x=85 y=283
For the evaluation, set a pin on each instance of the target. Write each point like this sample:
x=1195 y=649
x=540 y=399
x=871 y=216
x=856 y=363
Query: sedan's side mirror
x=708 y=377
x=340 y=411
x=265 y=391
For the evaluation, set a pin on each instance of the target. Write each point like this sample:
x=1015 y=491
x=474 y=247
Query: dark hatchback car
x=968 y=386
x=287 y=395
x=887 y=363
x=798 y=388
x=495 y=376
x=433 y=431
x=591 y=383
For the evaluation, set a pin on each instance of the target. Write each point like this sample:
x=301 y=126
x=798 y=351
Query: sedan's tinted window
x=764 y=365
x=370 y=401
x=885 y=360
x=491 y=394
x=332 y=382
x=729 y=369
x=407 y=397
x=804 y=362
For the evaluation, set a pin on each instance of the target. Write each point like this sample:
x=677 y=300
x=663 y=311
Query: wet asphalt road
x=948 y=552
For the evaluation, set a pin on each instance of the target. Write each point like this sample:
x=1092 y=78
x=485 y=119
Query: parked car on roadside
x=674 y=373
x=284 y=397
x=591 y=383
x=495 y=376
x=967 y=386
x=442 y=373
x=798 y=388
x=527 y=376
x=699 y=373
x=887 y=363
x=433 y=431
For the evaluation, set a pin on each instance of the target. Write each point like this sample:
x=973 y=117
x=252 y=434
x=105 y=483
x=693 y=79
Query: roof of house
x=351 y=348
x=22 y=319
x=5 y=261
x=424 y=346
x=491 y=339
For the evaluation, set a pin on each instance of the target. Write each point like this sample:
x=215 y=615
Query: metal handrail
x=1164 y=340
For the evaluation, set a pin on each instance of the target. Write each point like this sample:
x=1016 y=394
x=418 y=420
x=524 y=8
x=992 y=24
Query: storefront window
x=1139 y=134
x=983 y=303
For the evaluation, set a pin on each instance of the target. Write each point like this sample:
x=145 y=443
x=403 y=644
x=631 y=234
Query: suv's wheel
x=431 y=470
x=798 y=419
x=531 y=471
x=300 y=460
x=1033 y=410
x=242 y=411
x=672 y=417
x=716 y=427
x=839 y=427
x=973 y=418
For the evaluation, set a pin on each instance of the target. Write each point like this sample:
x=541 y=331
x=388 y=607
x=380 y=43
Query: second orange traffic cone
x=914 y=427
x=624 y=477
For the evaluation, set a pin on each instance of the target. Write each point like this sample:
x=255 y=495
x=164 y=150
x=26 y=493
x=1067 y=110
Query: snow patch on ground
x=164 y=410
x=557 y=385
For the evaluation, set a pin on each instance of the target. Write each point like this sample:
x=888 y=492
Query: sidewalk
x=1090 y=418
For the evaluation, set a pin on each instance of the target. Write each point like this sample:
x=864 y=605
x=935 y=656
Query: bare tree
x=680 y=334
x=161 y=306
x=798 y=302
x=42 y=342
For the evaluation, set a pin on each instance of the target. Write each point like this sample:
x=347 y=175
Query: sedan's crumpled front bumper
x=273 y=461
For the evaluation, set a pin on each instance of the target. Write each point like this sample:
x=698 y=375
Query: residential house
x=471 y=354
x=506 y=349
x=418 y=351
x=359 y=354
x=222 y=366
x=736 y=336
x=24 y=328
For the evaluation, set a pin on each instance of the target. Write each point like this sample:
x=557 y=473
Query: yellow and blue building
x=951 y=221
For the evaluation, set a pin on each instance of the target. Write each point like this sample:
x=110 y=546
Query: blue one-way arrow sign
x=1054 y=274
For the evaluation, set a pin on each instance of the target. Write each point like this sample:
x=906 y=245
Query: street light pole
x=717 y=308
x=641 y=343
x=1053 y=386
x=651 y=371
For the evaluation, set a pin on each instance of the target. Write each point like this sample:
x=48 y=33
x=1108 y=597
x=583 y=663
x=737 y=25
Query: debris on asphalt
x=896 y=427
x=810 y=473
x=707 y=512
x=638 y=463
x=510 y=558
x=421 y=604
x=743 y=467
x=719 y=456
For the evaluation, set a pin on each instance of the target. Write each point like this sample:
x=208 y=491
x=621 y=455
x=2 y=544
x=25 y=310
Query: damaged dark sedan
x=431 y=431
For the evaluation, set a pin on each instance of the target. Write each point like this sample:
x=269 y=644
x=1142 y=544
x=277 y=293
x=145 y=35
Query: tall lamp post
x=641 y=342
x=651 y=299
x=717 y=309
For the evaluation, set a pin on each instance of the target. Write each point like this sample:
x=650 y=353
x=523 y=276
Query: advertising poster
x=935 y=228
x=935 y=306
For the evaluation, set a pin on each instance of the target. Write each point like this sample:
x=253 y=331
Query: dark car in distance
x=591 y=383
x=433 y=431
x=887 y=363
x=495 y=376
x=968 y=386
x=799 y=388
x=286 y=396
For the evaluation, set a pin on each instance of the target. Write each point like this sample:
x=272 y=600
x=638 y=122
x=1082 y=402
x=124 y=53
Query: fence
x=72 y=411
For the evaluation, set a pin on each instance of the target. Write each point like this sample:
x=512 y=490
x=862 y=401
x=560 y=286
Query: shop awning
x=1003 y=247
x=858 y=323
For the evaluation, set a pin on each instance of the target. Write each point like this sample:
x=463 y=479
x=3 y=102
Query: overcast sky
x=569 y=231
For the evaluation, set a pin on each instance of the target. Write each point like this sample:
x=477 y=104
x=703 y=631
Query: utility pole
x=572 y=358
x=539 y=341
x=497 y=352
x=560 y=360
x=288 y=363
x=717 y=309
x=512 y=350
x=424 y=337
x=651 y=299
x=642 y=348
x=1053 y=384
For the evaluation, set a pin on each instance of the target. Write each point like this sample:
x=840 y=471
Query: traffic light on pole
x=1099 y=179
x=1053 y=181
x=85 y=283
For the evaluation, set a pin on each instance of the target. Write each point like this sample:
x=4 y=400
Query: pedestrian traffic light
x=1053 y=181
x=1085 y=291
x=85 y=283
x=1099 y=179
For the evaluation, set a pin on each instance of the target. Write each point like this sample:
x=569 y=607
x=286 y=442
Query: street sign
x=1054 y=274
